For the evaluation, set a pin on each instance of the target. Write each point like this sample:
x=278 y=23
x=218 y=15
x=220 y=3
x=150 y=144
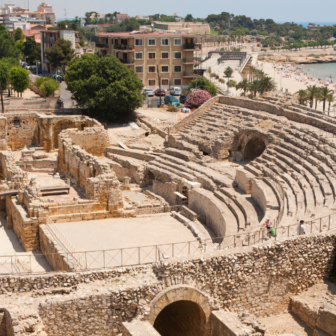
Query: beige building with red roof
x=146 y=53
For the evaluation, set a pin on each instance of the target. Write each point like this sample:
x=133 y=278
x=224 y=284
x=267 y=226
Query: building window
x=111 y=41
x=164 y=55
x=165 y=82
x=17 y=123
x=151 y=42
x=138 y=69
x=177 y=81
x=177 y=68
x=177 y=42
x=151 y=55
x=165 y=42
x=178 y=55
x=117 y=54
x=164 y=68
x=138 y=56
x=151 y=69
x=151 y=82
x=116 y=41
x=138 y=42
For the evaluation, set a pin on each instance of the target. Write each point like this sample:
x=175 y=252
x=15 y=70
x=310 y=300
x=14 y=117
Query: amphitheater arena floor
x=115 y=233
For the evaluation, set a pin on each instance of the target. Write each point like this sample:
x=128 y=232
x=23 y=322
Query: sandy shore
x=292 y=78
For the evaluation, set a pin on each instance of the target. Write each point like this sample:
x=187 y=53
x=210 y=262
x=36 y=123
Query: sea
x=305 y=24
x=320 y=70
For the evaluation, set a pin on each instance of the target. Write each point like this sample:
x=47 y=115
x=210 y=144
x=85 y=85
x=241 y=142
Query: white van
x=175 y=91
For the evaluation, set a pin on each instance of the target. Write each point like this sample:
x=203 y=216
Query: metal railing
x=192 y=46
x=189 y=60
x=134 y=256
x=123 y=47
x=189 y=74
x=102 y=45
x=58 y=235
x=126 y=61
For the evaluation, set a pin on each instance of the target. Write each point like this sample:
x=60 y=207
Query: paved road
x=65 y=94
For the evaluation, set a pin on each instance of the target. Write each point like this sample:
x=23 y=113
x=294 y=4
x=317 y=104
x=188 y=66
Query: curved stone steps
x=312 y=174
x=285 y=174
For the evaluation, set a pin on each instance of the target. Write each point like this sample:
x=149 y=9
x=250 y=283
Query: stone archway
x=181 y=311
x=60 y=126
x=254 y=148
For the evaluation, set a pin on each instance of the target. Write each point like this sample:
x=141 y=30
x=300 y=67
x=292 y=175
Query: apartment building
x=152 y=55
x=121 y=17
x=48 y=39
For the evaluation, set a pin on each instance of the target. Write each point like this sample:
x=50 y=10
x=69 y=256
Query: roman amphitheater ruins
x=109 y=237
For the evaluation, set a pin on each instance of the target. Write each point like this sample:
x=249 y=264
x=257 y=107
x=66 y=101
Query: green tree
x=130 y=25
x=32 y=50
x=18 y=35
x=60 y=54
x=228 y=72
x=19 y=79
x=330 y=99
x=104 y=85
x=266 y=84
x=254 y=87
x=189 y=18
x=303 y=96
x=7 y=44
x=203 y=84
x=49 y=87
x=4 y=76
x=325 y=92
x=312 y=92
x=242 y=85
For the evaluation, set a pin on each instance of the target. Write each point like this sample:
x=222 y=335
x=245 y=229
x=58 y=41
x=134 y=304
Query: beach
x=292 y=78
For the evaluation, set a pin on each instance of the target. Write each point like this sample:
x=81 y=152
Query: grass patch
x=213 y=32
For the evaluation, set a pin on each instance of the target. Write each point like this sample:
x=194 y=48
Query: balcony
x=48 y=40
x=102 y=45
x=192 y=46
x=189 y=74
x=126 y=61
x=123 y=47
x=190 y=60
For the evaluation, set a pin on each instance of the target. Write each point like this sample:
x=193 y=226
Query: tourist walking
x=301 y=228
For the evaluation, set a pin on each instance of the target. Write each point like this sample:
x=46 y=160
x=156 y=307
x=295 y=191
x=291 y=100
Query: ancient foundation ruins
x=111 y=238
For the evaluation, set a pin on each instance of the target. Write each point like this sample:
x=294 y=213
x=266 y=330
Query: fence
x=133 y=256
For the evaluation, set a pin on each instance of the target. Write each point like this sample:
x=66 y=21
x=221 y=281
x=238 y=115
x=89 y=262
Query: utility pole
x=2 y=104
x=64 y=13
x=157 y=66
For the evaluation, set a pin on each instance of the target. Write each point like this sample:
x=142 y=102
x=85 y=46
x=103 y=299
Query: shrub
x=48 y=87
x=203 y=84
x=197 y=98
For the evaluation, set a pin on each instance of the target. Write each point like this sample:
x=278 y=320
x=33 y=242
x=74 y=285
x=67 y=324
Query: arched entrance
x=180 y=311
x=181 y=318
x=60 y=126
x=254 y=148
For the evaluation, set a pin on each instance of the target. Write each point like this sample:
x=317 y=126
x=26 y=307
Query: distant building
x=185 y=27
x=140 y=17
x=121 y=17
x=315 y=27
x=14 y=17
x=48 y=39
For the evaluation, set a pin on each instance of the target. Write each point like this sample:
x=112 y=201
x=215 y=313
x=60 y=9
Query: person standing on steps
x=301 y=228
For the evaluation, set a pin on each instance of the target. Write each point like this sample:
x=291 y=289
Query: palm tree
x=254 y=87
x=318 y=97
x=251 y=71
x=324 y=92
x=243 y=85
x=330 y=99
x=312 y=91
x=266 y=84
x=303 y=96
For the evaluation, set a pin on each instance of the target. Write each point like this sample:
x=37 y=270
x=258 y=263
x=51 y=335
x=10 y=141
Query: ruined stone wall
x=259 y=195
x=243 y=181
x=3 y=133
x=165 y=190
x=22 y=130
x=14 y=174
x=207 y=210
x=93 y=140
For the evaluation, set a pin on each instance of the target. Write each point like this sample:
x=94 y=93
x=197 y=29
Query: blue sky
x=278 y=10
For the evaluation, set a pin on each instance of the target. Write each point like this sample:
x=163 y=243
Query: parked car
x=159 y=92
x=148 y=92
x=183 y=99
x=175 y=91
x=27 y=66
x=170 y=100
x=58 y=78
x=158 y=102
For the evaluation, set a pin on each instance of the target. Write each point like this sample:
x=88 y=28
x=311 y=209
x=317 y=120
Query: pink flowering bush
x=197 y=98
